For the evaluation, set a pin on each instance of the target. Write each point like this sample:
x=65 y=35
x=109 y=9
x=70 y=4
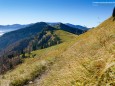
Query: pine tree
x=113 y=12
x=23 y=55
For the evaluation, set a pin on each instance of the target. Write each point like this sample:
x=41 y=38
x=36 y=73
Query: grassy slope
x=33 y=67
x=88 y=62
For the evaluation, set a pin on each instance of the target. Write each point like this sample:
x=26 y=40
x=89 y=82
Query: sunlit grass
x=88 y=62
x=33 y=67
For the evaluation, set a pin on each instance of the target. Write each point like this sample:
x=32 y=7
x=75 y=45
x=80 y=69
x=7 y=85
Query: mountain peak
x=41 y=23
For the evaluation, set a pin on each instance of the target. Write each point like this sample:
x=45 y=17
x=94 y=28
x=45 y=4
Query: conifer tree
x=113 y=12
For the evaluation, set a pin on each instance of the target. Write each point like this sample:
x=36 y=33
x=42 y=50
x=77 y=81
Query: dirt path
x=38 y=80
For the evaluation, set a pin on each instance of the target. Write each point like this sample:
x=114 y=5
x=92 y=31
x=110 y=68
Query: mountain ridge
x=77 y=26
x=22 y=33
x=8 y=28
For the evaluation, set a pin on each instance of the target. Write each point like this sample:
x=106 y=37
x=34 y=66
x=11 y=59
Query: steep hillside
x=12 y=55
x=20 y=34
x=33 y=67
x=90 y=61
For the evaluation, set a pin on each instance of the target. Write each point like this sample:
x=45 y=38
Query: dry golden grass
x=88 y=62
x=33 y=67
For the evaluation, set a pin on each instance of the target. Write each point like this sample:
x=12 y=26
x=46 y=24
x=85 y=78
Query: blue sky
x=79 y=12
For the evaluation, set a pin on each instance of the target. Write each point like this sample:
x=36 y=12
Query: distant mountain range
x=14 y=26
x=8 y=28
